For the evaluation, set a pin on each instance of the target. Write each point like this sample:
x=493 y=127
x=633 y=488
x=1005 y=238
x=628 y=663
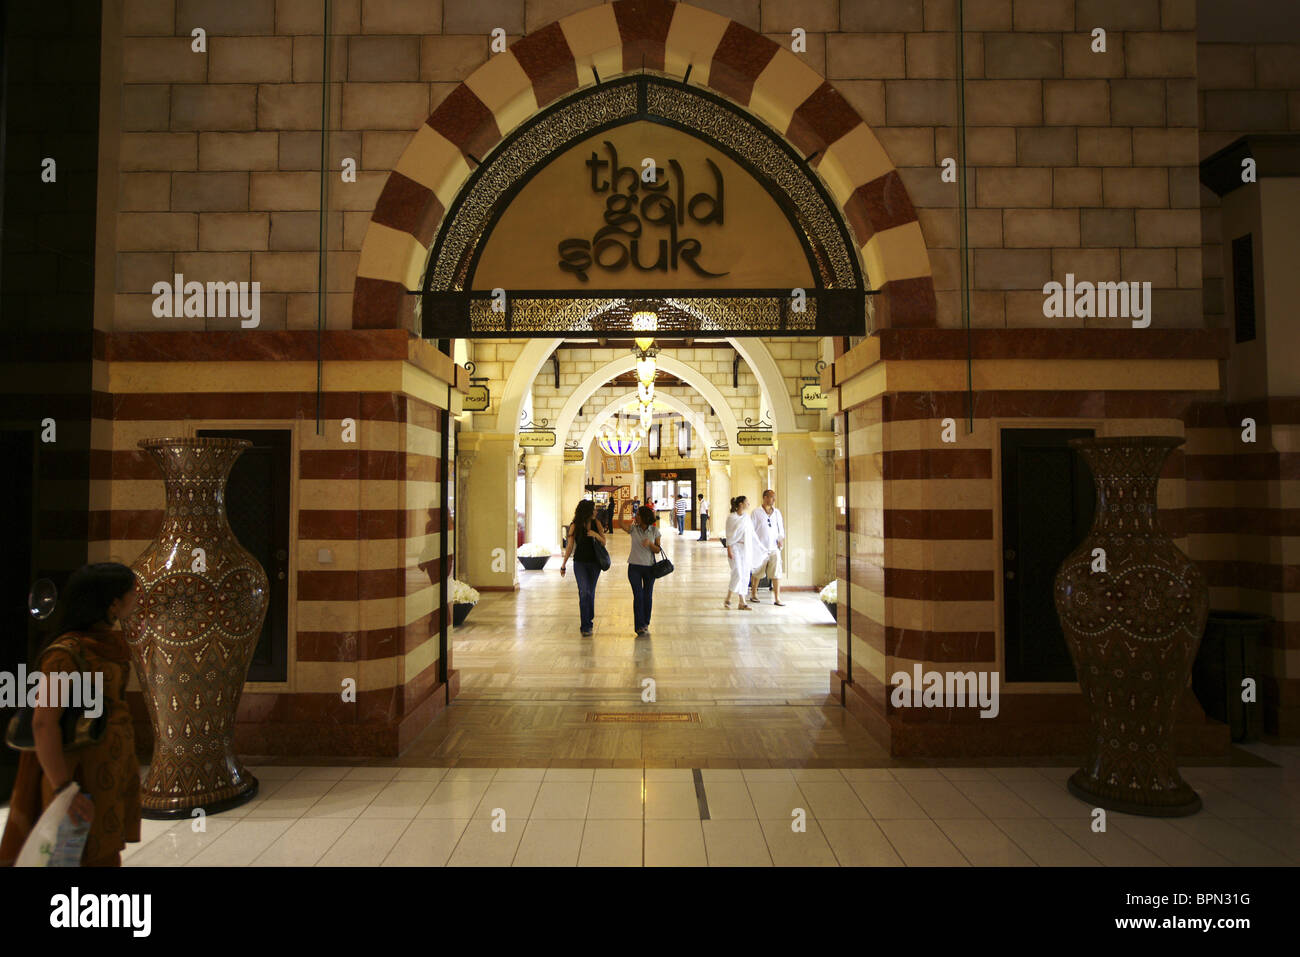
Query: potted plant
x=463 y=600
x=830 y=598
x=533 y=556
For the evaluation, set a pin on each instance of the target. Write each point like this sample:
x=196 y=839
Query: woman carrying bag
x=107 y=771
x=587 y=546
x=740 y=538
x=641 y=571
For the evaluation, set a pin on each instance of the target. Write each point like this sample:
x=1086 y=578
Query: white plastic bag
x=57 y=840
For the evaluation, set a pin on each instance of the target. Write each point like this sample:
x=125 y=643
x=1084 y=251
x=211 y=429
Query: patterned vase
x=202 y=599
x=1133 y=629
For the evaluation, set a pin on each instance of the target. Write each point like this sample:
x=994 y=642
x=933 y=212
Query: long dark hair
x=735 y=502
x=647 y=516
x=88 y=593
x=584 y=513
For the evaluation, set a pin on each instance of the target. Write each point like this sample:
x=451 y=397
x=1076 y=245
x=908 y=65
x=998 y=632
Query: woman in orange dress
x=108 y=773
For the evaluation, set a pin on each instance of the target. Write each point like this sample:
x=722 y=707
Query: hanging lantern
x=647 y=416
x=618 y=442
x=646 y=393
x=645 y=321
x=645 y=370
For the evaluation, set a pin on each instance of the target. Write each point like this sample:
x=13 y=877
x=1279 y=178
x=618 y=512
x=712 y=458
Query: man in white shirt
x=704 y=518
x=769 y=537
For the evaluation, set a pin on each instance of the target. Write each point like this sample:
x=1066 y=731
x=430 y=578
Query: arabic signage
x=719 y=455
x=812 y=397
x=477 y=399
x=753 y=438
x=573 y=455
x=537 y=438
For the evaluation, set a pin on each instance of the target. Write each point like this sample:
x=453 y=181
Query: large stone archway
x=680 y=41
x=621 y=402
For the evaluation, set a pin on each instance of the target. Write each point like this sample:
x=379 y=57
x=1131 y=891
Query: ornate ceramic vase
x=202 y=599
x=1133 y=614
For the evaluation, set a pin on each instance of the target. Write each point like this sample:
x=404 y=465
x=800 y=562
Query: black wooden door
x=17 y=492
x=1047 y=505
x=257 y=506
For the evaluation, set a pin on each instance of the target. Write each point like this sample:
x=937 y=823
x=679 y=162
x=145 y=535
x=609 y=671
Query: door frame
x=999 y=539
x=695 y=488
x=192 y=427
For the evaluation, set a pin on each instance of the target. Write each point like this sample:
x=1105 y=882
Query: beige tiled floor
x=984 y=816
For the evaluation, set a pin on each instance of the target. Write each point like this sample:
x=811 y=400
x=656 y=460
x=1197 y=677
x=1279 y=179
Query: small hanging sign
x=811 y=396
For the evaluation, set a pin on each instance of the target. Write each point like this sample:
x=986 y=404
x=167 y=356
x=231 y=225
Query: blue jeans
x=586 y=575
x=642 y=579
x=681 y=523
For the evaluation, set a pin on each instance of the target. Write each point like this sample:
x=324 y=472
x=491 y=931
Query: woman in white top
x=740 y=543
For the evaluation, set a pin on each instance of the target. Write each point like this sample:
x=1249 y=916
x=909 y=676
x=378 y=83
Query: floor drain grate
x=639 y=717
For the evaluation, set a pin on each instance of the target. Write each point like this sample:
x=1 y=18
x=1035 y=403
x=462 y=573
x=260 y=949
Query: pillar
x=543 y=512
x=719 y=495
x=488 y=504
x=801 y=495
x=748 y=471
x=464 y=468
x=572 y=486
x=826 y=511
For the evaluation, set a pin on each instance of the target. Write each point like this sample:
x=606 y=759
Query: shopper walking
x=681 y=507
x=107 y=772
x=586 y=528
x=704 y=518
x=769 y=537
x=640 y=566
x=740 y=537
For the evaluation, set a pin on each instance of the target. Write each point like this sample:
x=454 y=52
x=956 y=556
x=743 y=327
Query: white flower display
x=830 y=594
x=462 y=594
x=533 y=550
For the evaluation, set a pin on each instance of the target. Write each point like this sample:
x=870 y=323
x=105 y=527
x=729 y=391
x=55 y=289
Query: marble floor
x=988 y=816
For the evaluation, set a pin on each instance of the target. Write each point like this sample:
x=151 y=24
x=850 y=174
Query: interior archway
x=620 y=404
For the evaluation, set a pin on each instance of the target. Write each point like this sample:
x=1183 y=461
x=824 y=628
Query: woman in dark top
x=586 y=570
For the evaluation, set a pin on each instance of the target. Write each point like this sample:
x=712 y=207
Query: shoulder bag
x=662 y=566
x=78 y=729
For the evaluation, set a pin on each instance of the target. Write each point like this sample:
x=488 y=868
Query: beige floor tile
x=922 y=843
x=1045 y=843
x=433 y=775
x=907 y=775
x=516 y=775
x=453 y=800
x=1225 y=838
x=1048 y=799
x=983 y=844
x=1172 y=845
x=790 y=848
x=323 y=773
x=674 y=844
x=819 y=775
x=456 y=775
x=669 y=775
x=967 y=774
x=515 y=798
x=1011 y=774
x=1111 y=847
x=615 y=800
x=777 y=799
x=618 y=775
x=768 y=775
x=242 y=842
x=835 y=799
x=426 y=843
x=347 y=798
x=858 y=843
x=995 y=799
x=941 y=800
x=304 y=843
x=1284 y=835
x=729 y=800
x=562 y=800
x=178 y=845
x=611 y=844
x=671 y=801
x=569 y=775
x=291 y=799
x=550 y=844
x=857 y=775
x=273 y=772
x=482 y=846
x=886 y=800
x=736 y=844
x=399 y=799
x=371 y=773
x=364 y=844
x=722 y=775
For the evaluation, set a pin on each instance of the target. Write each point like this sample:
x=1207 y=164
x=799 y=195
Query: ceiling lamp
x=647 y=416
x=645 y=392
x=646 y=370
x=619 y=442
x=645 y=321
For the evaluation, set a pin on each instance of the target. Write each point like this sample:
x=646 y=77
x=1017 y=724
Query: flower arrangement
x=830 y=594
x=533 y=550
x=462 y=594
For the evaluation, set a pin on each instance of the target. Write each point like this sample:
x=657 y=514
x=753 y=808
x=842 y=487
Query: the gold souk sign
x=647 y=210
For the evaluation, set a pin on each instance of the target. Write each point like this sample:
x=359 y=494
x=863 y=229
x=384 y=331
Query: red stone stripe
x=1243 y=521
x=367 y=524
x=1055 y=344
x=906 y=303
x=353 y=585
x=346 y=464
x=866 y=630
x=547 y=60
x=740 y=57
x=935 y=585
x=941 y=645
x=643 y=28
x=937 y=464
x=407 y=206
x=965 y=524
x=1247 y=467
x=170 y=406
x=124 y=524
x=1255 y=576
x=820 y=120
x=879 y=205
x=261 y=345
x=381 y=304
x=1059 y=403
x=467 y=122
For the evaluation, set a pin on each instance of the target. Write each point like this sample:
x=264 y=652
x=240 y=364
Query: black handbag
x=78 y=729
x=662 y=566
x=602 y=555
